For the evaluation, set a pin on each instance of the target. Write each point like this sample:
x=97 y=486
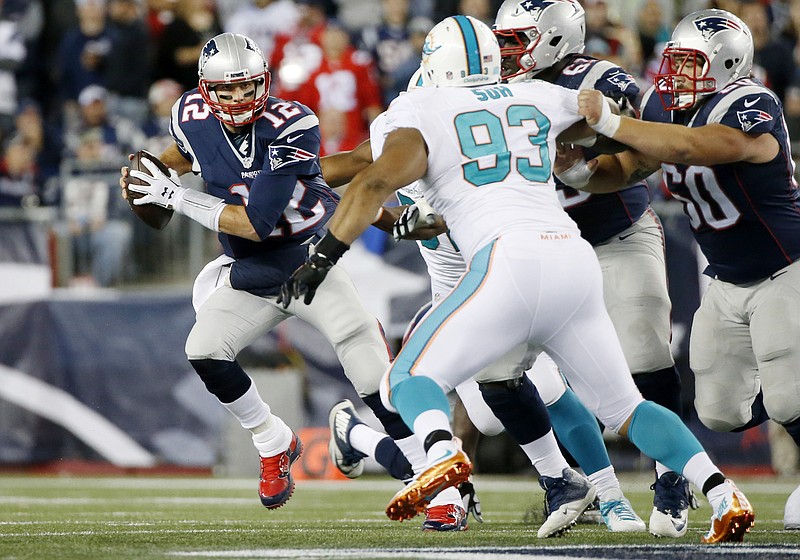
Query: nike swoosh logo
x=445 y=456
x=624 y=237
x=750 y=103
x=290 y=139
x=679 y=526
x=774 y=276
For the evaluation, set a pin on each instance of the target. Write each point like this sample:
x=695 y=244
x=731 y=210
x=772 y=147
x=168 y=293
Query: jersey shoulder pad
x=750 y=107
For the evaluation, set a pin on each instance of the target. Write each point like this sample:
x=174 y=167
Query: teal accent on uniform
x=431 y=243
x=578 y=431
x=496 y=146
x=661 y=435
x=471 y=44
x=416 y=395
x=517 y=115
x=425 y=331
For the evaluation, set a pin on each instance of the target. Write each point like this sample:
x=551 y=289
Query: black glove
x=308 y=276
x=305 y=280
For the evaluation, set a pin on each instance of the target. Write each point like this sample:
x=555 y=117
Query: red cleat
x=276 y=484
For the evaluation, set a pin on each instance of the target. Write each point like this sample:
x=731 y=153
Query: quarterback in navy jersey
x=544 y=40
x=720 y=138
x=259 y=157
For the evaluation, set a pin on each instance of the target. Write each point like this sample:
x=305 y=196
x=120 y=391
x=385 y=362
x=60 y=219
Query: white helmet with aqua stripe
x=461 y=51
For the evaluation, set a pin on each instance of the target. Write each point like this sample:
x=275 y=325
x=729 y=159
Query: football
x=155 y=216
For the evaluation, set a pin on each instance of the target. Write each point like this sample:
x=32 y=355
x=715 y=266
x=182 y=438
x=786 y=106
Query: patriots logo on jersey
x=280 y=156
x=711 y=25
x=751 y=117
x=622 y=80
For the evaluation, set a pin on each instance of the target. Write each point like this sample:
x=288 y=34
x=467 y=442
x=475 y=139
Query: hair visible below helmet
x=230 y=58
x=535 y=34
x=708 y=50
x=460 y=51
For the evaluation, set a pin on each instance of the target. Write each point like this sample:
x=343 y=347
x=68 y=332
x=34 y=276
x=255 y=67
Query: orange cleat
x=732 y=519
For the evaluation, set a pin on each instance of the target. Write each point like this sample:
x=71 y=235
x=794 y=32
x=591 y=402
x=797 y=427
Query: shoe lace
x=619 y=507
x=275 y=467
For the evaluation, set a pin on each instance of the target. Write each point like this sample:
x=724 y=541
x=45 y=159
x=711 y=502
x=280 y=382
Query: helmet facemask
x=516 y=52
x=682 y=78
x=237 y=114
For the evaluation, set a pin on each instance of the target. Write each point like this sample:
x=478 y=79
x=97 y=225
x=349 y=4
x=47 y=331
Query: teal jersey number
x=495 y=144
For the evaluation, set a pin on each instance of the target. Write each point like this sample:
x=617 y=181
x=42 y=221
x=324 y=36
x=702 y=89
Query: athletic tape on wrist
x=199 y=206
x=608 y=123
x=576 y=176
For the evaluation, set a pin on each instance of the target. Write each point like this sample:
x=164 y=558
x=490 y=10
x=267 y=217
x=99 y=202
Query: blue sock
x=577 y=430
x=389 y=456
x=417 y=394
x=662 y=436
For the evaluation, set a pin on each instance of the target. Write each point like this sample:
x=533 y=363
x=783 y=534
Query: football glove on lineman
x=418 y=214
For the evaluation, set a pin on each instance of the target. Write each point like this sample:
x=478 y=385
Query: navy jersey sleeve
x=754 y=114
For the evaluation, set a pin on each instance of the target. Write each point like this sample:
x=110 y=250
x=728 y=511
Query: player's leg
x=589 y=354
x=775 y=329
x=637 y=299
x=578 y=431
x=358 y=340
x=227 y=321
x=478 y=323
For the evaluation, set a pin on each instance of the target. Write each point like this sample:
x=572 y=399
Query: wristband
x=576 y=176
x=199 y=206
x=331 y=248
x=608 y=123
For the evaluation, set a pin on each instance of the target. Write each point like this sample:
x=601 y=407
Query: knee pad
x=225 y=380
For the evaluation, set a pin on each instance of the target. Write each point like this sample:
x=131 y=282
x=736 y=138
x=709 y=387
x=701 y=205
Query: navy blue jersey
x=745 y=216
x=273 y=170
x=601 y=216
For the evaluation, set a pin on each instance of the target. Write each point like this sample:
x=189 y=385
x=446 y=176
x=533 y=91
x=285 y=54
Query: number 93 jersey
x=490 y=160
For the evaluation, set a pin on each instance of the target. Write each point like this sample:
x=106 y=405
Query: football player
x=484 y=154
x=267 y=199
x=720 y=138
x=543 y=40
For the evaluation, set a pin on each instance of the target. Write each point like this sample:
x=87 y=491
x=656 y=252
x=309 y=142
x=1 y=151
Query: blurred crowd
x=83 y=83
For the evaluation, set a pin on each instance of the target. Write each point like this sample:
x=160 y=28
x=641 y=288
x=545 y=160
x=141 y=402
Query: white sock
x=661 y=469
x=545 y=456
x=365 y=439
x=428 y=422
x=447 y=496
x=249 y=409
x=273 y=440
x=605 y=480
x=717 y=494
x=698 y=469
x=412 y=449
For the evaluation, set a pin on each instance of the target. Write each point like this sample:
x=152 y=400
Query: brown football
x=153 y=215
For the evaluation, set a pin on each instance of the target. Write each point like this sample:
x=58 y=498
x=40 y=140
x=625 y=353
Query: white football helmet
x=460 y=51
x=230 y=58
x=535 y=34
x=417 y=80
x=708 y=50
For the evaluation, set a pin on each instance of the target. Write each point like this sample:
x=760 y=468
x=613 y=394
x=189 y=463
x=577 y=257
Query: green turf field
x=144 y=517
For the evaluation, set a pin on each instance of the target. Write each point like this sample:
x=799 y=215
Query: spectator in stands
x=181 y=41
x=127 y=76
x=19 y=181
x=653 y=32
x=398 y=79
x=262 y=20
x=83 y=52
x=390 y=46
x=771 y=54
x=98 y=239
x=12 y=54
x=346 y=83
x=299 y=53
x=42 y=137
x=162 y=96
x=607 y=40
x=120 y=136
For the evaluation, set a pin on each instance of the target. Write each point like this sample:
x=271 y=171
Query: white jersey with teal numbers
x=482 y=195
x=445 y=263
